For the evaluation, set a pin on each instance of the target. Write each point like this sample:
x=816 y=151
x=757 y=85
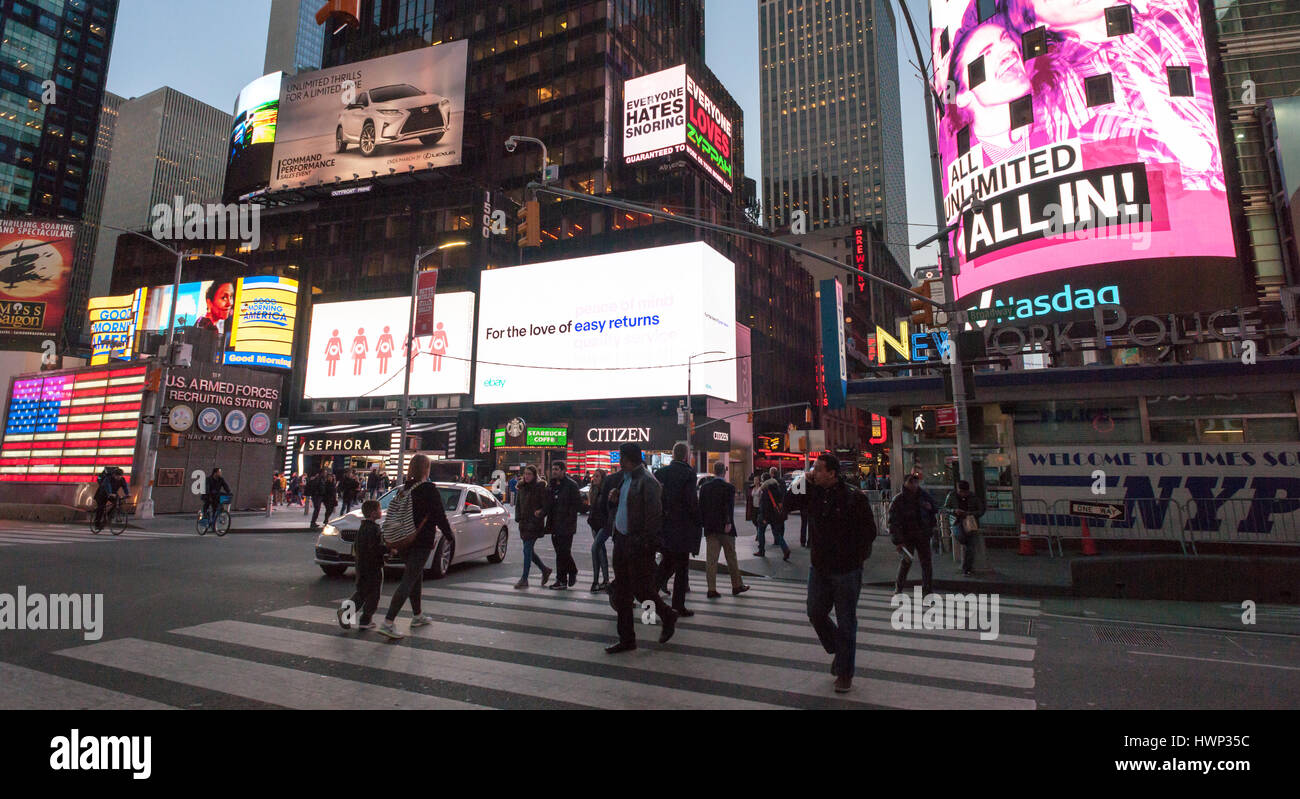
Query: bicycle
x=219 y=522
x=115 y=518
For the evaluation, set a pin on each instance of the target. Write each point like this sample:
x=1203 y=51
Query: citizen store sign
x=651 y=433
x=345 y=442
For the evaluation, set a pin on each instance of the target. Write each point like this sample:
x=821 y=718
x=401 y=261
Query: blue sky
x=211 y=50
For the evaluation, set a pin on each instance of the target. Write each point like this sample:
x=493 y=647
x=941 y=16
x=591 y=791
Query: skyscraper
x=166 y=145
x=88 y=237
x=294 y=42
x=53 y=65
x=832 y=128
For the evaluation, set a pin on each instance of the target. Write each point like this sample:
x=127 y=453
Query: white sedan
x=480 y=527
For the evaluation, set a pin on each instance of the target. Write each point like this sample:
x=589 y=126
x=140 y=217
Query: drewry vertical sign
x=666 y=114
x=834 y=354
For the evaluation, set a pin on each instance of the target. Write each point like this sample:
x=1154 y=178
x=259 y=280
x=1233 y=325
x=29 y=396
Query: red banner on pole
x=425 y=286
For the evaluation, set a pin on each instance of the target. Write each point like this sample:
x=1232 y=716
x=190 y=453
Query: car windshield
x=386 y=94
x=450 y=498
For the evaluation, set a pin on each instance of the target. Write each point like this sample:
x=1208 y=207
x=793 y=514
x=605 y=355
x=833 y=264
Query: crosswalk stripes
x=74 y=534
x=27 y=689
x=492 y=646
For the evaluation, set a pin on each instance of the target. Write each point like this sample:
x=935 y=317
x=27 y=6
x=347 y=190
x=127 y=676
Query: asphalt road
x=247 y=621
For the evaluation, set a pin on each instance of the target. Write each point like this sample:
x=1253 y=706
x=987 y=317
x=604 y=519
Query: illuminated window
x=1033 y=43
x=987 y=8
x=1100 y=90
x=1119 y=20
x=1180 y=81
x=963 y=140
x=975 y=73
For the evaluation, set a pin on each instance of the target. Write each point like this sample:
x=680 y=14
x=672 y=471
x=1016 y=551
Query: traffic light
x=807 y=415
x=530 y=224
x=922 y=312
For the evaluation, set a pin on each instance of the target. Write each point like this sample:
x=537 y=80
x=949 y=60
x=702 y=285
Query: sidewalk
x=283 y=519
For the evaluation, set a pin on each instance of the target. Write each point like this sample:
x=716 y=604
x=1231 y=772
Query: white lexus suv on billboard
x=391 y=114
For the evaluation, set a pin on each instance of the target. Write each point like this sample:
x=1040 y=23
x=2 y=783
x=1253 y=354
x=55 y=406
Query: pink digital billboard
x=1080 y=135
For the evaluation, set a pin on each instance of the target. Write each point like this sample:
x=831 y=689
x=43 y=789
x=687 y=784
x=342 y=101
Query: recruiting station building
x=1120 y=355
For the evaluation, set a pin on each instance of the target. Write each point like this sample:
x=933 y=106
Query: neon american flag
x=66 y=427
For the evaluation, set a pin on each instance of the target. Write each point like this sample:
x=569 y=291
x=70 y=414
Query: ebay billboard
x=1087 y=132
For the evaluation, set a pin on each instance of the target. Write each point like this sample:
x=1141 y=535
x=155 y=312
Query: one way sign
x=1111 y=511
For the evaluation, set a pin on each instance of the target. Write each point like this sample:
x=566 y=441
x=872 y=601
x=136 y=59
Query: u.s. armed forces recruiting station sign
x=35 y=268
x=226 y=404
x=1241 y=491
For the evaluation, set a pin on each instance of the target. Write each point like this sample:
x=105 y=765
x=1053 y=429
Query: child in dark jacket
x=369 y=552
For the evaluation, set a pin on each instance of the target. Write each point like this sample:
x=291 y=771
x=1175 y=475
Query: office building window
x=975 y=73
x=1022 y=112
x=945 y=42
x=1119 y=20
x=1100 y=90
x=1180 y=81
x=963 y=140
x=987 y=8
x=1033 y=43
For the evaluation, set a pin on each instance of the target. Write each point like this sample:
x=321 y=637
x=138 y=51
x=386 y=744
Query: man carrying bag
x=966 y=508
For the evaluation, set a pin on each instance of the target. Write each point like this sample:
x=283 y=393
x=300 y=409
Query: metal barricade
x=1144 y=520
x=1266 y=521
x=1038 y=519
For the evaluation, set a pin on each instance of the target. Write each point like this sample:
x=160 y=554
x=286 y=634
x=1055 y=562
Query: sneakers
x=367 y=625
x=843 y=684
x=389 y=631
x=422 y=620
x=546 y=575
x=342 y=622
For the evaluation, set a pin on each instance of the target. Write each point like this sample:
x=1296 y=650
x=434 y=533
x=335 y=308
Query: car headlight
x=330 y=530
x=390 y=112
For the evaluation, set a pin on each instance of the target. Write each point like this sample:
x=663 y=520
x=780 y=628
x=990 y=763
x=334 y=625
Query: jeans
x=778 y=537
x=531 y=557
x=634 y=568
x=600 y=555
x=919 y=543
x=411 y=584
x=761 y=526
x=840 y=637
x=727 y=543
x=675 y=565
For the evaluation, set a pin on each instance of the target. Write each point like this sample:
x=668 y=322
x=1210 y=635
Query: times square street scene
x=564 y=354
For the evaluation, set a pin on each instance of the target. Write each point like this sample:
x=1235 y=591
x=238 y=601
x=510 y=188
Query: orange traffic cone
x=1089 y=546
x=1026 y=546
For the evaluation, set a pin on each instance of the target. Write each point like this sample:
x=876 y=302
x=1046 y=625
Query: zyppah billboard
x=1083 y=136
x=667 y=113
x=398 y=113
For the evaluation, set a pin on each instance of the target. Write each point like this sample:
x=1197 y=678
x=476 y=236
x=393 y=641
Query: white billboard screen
x=609 y=326
x=393 y=113
x=357 y=348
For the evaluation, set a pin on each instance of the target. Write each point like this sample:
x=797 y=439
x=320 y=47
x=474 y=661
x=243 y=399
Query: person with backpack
x=771 y=497
x=532 y=504
x=841 y=531
x=966 y=508
x=368 y=554
x=215 y=489
x=414 y=518
x=111 y=486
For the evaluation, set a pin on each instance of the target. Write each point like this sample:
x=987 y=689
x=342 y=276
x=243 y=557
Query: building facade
x=832 y=125
x=294 y=42
x=167 y=145
x=88 y=239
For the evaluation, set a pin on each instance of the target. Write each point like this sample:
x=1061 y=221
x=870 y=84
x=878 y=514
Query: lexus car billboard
x=252 y=136
x=35 y=269
x=391 y=114
x=629 y=334
x=669 y=113
x=1082 y=136
x=357 y=348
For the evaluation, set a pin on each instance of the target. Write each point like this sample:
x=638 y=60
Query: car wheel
x=367 y=142
x=334 y=571
x=503 y=539
x=442 y=556
x=432 y=138
x=340 y=143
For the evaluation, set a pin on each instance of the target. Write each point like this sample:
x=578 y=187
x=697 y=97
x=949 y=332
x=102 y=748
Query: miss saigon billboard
x=1080 y=144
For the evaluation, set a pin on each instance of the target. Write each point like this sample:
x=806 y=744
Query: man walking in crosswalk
x=636 y=502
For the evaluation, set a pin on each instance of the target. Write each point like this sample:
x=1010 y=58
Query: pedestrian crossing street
x=494 y=647
x=74 y=534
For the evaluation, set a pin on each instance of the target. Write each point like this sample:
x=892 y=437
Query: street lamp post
x=420 y=255
x=690 y=412
x=145 y=507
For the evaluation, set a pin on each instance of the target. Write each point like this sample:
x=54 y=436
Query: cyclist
x=217 y=486
x=112 y=485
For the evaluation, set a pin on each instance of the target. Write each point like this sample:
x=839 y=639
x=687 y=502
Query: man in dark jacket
x=315 y=488
x=718 y=514
x=771 y=502
x=562 y=524
x=963 y=504
x=213 y=491
x=636 y=511
x=681 y=525
x=429 y=516
x=841 y=529
x=911 y=525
